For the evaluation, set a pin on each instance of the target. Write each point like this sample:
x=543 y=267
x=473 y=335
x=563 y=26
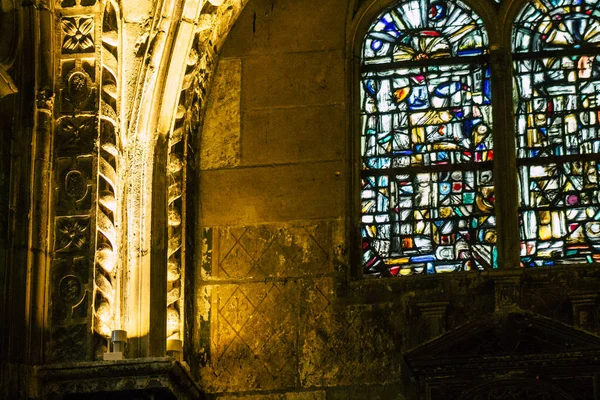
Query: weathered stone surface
x=253 y=336
x=151 y=378
x=281 y=310
x=264 y=334
x=342 y=347
x=320 y=395
x=283 y=250
x=266 y=26
x=301 y=134
x=254 y=397
x=295 y=79
x=220 y=140
x=255 y=195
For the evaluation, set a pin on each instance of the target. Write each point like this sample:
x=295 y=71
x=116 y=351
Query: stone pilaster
x=507 y=290
x=584 y=309
x=434 y=314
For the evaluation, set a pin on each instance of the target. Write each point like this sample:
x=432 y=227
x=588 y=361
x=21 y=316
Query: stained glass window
x=426 y=142
x=557 y=111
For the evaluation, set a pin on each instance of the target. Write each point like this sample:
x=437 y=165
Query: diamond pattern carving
x=257 y=238
x=276 y=260
x=274 y=325
x=273 y=251
x=237 y=309
x=236 y=264
x=340 y=347
x=255 y=331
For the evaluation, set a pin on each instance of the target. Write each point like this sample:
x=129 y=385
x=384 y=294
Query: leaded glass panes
x=427 y=185
x=546 y=25
x=560 y=212
x=424 y=30
x=557 y=87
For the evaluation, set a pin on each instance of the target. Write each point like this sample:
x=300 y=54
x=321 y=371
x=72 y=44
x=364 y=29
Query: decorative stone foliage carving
x=89 y=164
x=78 y=34
x=85 y=179
x=76 y=133
x=72 y=234
x=181 y=142
x=74 y=184
x=78 y=85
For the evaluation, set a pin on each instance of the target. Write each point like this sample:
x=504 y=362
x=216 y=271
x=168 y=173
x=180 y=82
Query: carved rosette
x=109 y=151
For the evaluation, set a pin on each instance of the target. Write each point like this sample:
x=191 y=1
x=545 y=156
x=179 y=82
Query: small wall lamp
x=116 y=348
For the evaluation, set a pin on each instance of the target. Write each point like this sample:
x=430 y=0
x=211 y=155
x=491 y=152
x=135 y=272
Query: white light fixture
x=175 y=349
x=216 y=3
x=116 y=349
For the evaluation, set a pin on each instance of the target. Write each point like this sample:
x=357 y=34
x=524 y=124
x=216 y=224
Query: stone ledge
x=141 y=378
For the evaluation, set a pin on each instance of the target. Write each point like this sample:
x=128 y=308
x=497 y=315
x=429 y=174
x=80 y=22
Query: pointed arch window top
x=546 y=25
x=414 y=31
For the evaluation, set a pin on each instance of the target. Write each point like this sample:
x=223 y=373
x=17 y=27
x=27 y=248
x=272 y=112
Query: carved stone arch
x=214 y=24
x=514 y=389
x=180 y=52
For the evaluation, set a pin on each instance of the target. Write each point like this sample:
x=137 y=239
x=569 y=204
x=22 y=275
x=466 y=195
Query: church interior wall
x=278 y=306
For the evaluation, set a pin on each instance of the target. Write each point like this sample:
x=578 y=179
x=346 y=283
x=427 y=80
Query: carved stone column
x=85 y=198
x=181 y=172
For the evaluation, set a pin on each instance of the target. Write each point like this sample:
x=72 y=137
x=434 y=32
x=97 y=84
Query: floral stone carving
x=78 y=35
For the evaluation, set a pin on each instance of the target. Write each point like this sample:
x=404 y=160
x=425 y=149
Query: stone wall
x=278 y=316
x=272 y=212
x=273 y=201
x=279 y=309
